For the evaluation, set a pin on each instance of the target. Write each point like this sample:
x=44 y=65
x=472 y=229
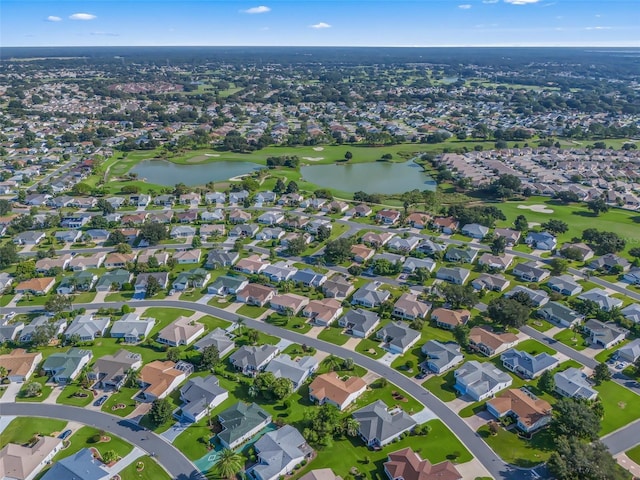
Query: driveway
x=10 y=392
x=175 y=430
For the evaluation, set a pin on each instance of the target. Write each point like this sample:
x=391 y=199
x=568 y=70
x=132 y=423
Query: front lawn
x=621 y=406
x=251 y=311
x=213 y=322
x=150 y=470
x=634 y=454
x=71 y=396
x=534 y=347
x=333 y=334
x=146 y=422
x=604 y=355
x=21 y=429
x=84 y=438
x=571 y=339
x=540 y=325
x=85 y=297
x=193 y=294
x=517 y=450
x=295 y=324
x=122 y=397
x=119 y=297
x=370 y=347
x=442 y=386
x=391 y=395
x=46 y=390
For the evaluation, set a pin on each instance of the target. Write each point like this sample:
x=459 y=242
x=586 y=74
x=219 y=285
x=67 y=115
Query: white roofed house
x=605 y=335
x=183 y=331
x=199 y=396
x=87 y=327
x=279 y=452
x=440 y=357
x=605 y=301
x=251 y=360
x=288 y=302
x=480 y=380
x=370 y=295
x=573 y=383
x=323 y=312
x=188 y=256
x=218 y=338
x=131 y=328
x=297 y=370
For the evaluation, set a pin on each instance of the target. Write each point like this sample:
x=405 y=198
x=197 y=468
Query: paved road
x=494 y=464
x=178 y=466
x=623 y=439
x=45 y=179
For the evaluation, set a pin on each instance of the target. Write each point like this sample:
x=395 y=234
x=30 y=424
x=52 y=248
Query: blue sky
x=321 y=22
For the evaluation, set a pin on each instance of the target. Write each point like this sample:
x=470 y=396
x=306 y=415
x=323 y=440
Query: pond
x=377 y=177
x=163 y=172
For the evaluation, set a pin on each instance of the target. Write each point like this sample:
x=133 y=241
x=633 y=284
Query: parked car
x=100 y=401
x=64 y=435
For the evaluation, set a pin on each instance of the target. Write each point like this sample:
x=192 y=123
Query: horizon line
x=635 y=46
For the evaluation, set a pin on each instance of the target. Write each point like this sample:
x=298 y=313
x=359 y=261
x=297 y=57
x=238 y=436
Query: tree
x=296 y=246
x=160 y=411
x=338 y=250
x=546 y=382
x=598 y=206
x=123 y=248
x=282 y=387
x=601 y=373
x=280 y=186
x=58 y=303
x=153 y=287
x=508 y=312
x=577 y=460
x=348 y=155
x=32 y=389
x=110 y=456
x=574 y=418
x=603 y=242
x=173 y=354
x=116 y=238
x=154 y=233
x=196 y=241
x=498 y=245
x=3 y=372
x=459 y=295
x=333 y=362
x=461 y=335
x=351 y=426
x=556 y=226
x=5 y=207
x=8 y=255
x=210 y=357
x=558 y=266
x=253 y=335
x=572 y=253
x=292 y=187
x=635 y=252
x=323 y=233
x=229 y=464
x=105 y=206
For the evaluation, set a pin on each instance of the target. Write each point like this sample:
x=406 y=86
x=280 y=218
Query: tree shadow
x=581 y=213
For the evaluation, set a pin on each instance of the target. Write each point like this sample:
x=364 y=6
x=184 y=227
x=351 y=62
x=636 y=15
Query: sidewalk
x=5 y=420
x=126 y=461
x=628 y=464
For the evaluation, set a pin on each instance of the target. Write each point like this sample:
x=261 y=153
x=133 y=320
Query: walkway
x=126 y=461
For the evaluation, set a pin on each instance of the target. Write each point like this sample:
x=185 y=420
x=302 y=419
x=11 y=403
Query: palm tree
x=229 y=464
x=351 y=426
x=3 y=372
x=240 y=323
x=132 y=378
x=333 y=362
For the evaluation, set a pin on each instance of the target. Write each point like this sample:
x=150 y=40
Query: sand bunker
x=318 y=149
x=533 y=224
x=313 y=159
x=536 y=208
x=211 y=154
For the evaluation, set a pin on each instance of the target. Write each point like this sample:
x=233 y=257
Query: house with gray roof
x=251 y=360
x=110 y=371
x=271 y=218
x=456 y=275
x=279 y=271
x=409 y=307
x=511 y=236
x=270 y=233
x=87 y=327
x=604 y=335
x=219 y=338
x=440 y=356
x=492 y=283
x=480 y=380
x=370 y=295
x=78 y=466
x=605 y=301
x=541 y=240
x=538 y=297
x=359 y=323
x=629 y=352
x=9 y=331
x=462 y=255
x=475 y=230
x=78 y=282
x=573 y=383
x=497 y=262
x=378 y=425
x=309 y=278
x=113 y=279
x=200 y=395
x=227 y=285
x=132 y=328
x=564 y=285
x=63 y=367
x=337 y=287
x=411 y=264
x=632 y=276
x=241 y=422
x=182 y=231
x=143 y=280
x=397 y=337
x=56 y=327
x=430 y=247
x=632 y=312
x=297 y=370
x=401 y=244
x=221 y=258
x=278 y=453
x=610 y=261
x=560 y=314
x=30 y=237
x=530 y=272
x=196 y=278
x=527 y=365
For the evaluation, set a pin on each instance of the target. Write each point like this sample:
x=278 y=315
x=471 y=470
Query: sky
x=320 y=23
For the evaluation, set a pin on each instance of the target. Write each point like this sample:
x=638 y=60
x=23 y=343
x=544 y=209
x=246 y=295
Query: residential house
x=238 y=197
x=462 y=255
x=629 y=352
x=362 y=210
x=164 y=200
x=160 y=257
x=529 y=412
x=248 y=230
x=480 y=380
x=251 y=360
x=253 y=264
x=405 y=464
x=573 y=383
x=456 y=275
x=182 y=231
x=279 y=452
x=330 y=388
x=583 y=250
x=632 y=312
x=63 y=367
x=87 y=327
x=45 y=264
x=192 y=199
x=429 y=247
x=418 y=220
x=400 y=244
x=255 y=294
x=36 y=286
x=409 y=307
x=321 y=474
x=605 y=335
x=81 y=465
x=359 y=323
x=227 y=285
x=512 y=237
x=446 y=225
x=370 y=295
x=209 y=231
x=67 y=236
x=110 y=372
x=564 y=285
x=560 y=315
x=19 y=364
x=541 y=241
x=132 y=328
x=188 y=256
x=163 y=217
x=237 y=216
x=632 y=276
x=199 y=396
x=30 y=237
x=398 y=337
x=361 y=253
x=279 y=271
x=323 y=312
x=605 y=301
x=217 y=215
x=119 y=260
x=450 y=319
x=475 y=230
x=490 y=343
x=182 y=331
x=610 y=262
x=309 y=278
x=196 y=278
x=270 y=233
x=313 y=225
x=492 y=283
x=498 y=262
x=337 y=287
x=78 y=282
x=297 y=370
x=114 y=279
x=5 y=281
x=336 y=206
x=377 y=239
x=240 y=423
x=440 y=357
x=526 y=364
x=530 y=272
x=79 y=262
x=379 y=425
x=288 y=303
x=411 y=264
x=9 y=331
x=215 y=197
x=143 y=279
x=25 y=462
x=271 y=218
x=55 y=327
x=139 y=200
x=186 y=217
x=538 y=297
x=158 y=379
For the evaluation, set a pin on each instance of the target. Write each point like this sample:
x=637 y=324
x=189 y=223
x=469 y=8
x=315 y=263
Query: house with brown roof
x=446 y=225
x=253 y=264
x=288 y=302
x=181 y=332
x=110 y=371
x=188 y=256
x=375 y=239
x=406 y=464
x=362 y=253
x=337 y=287
x=119 y=260
x=450 y=319
x=530 y=412
x=409 y=307
x=159 y=378
x=20 y=462
x=20 y=364
x=255 y=294
x=239 y=216
x=418 y=220
x=45 y=264
x=330 y=388
x=489 y=342
x=498 y=262
x=388 y=217
x=36 y=286
x=323 y=312
x=510 y=236
x=79 y=263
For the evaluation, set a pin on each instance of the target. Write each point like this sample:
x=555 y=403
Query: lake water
x=163 y=172
x=376 y=177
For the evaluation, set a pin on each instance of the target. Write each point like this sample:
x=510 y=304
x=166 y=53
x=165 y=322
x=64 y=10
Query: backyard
x=519 y=451
x=22 y=429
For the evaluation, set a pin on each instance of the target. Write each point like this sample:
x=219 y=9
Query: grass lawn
x=442 y=386
x=83 y=438
x=67 y=396
x=46 y=390
x=174 y=400
x=5 y=299
x=295 y=324
x=540 y=325
x=333 y=334
x=212 y=322
x=220 y=302
x=379 y=391
x=534 y=347
x=150 y=471
x=193 y=294
x=571 y=339
x=370 y=348
x=634 y=454
x=604 y=355
x=341 y=455
x=119 y=297
x=251 y=311
x=263 y=338
x=519 y=451
x=123 y=396
x=86 y=297
x=294 y=351
x=357 y=371
x=621 y=406
x=21 y=429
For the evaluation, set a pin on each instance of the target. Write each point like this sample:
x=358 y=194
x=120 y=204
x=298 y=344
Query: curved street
x=173 y=461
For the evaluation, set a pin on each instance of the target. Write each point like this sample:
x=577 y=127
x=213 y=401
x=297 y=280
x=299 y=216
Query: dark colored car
x=100 y=401
x=64 y=435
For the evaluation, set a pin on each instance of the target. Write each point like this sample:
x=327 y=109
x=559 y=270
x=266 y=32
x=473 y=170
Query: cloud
x=105 y=34
x=598 y=28
x=255 y=10
x=319 y=26
x=82 y=16
x=53 y=18
x=490 y=1
x=464 y=6
x=521 y=2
